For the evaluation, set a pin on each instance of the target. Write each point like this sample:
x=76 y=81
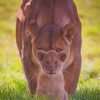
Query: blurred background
x=13 y=85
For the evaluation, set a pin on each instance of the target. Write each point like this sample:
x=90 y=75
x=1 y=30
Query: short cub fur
x=50 y=79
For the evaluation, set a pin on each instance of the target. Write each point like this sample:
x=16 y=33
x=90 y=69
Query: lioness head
x=51 y=62
x=52 y=37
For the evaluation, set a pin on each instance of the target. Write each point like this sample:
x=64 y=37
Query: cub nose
x=49 y=65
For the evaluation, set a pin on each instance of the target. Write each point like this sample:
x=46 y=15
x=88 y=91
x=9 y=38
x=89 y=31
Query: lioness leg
x=71 y=75
x=30 y=68
x=25 y=49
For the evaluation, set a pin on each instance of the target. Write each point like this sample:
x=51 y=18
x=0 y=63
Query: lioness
x=49 y=25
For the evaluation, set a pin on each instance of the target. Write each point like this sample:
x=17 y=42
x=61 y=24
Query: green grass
x=13 y=85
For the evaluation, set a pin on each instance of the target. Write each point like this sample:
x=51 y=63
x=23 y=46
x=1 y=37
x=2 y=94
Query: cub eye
x=56 y=62
x=47 y=62
x=58 y=49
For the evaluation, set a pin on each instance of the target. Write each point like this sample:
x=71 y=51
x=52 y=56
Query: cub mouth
x=51 y=72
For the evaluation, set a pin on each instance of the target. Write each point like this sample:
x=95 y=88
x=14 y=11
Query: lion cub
x=50 y=80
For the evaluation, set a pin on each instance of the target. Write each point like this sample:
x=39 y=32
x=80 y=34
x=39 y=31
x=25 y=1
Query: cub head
x=51 y=62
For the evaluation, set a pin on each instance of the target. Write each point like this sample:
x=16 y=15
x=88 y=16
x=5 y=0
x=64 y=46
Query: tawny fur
x=49 y=25
x=51 y=79
x=51 y=86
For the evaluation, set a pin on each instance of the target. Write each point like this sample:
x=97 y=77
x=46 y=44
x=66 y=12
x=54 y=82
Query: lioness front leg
x=71 y=75
x=25 y=50
x=30 y=68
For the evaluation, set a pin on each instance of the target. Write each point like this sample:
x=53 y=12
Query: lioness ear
x=27 y=6
x=63 y=55
x=69 y=32
x=41 y=54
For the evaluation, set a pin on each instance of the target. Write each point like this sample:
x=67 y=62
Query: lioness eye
x=58 y=49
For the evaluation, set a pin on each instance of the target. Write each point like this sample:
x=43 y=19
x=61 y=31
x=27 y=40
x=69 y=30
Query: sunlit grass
x=90 y=18
x=13 y=85
x=14 y=88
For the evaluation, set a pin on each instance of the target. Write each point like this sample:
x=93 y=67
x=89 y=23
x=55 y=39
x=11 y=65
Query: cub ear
x=63 y=55
x=69 y=32
x=41 y=54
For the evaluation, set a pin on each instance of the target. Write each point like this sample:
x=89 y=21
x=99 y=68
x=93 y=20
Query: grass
x=13 y=85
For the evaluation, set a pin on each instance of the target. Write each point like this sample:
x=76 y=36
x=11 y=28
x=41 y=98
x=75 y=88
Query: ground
x=13 y=85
